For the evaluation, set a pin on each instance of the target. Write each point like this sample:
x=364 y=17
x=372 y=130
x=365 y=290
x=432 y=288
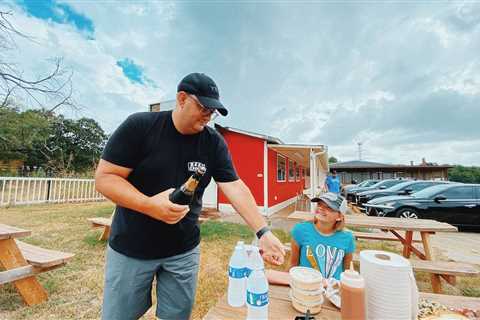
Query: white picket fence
x=19 y=190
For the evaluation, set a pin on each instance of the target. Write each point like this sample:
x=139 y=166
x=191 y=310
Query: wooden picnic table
x=11 y=258
x=280 y=306
x=23 y=261
x=394 y=225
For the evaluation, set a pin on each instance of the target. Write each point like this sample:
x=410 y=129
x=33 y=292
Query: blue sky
x=403 y=78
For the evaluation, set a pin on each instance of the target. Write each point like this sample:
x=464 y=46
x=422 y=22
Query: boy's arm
x=295 y=254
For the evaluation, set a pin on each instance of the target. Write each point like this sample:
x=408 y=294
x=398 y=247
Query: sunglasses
x=204 y=110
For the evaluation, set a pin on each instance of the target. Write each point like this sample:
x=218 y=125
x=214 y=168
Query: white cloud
x=402 y=78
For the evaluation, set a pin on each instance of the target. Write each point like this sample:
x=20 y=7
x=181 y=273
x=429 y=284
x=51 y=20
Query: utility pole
x=360 y=150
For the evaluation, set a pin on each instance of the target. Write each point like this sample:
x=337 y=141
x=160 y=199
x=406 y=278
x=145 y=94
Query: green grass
x=75 y=291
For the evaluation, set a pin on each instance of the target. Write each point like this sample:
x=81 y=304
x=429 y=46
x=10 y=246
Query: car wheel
x=407 y=213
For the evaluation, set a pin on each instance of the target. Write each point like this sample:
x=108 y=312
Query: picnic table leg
x=408 y=243
x=105 y=234
x=29 y=288
x=435 y=278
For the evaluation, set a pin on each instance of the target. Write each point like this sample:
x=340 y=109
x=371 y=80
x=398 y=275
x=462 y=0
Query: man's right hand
x=161 y=208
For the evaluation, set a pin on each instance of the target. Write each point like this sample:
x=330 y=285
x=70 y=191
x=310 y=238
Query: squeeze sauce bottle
x=352 y=295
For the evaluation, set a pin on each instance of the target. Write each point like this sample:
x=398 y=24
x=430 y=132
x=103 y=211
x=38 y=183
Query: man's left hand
x=271 y=249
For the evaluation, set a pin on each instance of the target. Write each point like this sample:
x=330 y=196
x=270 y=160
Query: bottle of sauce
x=184 y=194
x=353 y=295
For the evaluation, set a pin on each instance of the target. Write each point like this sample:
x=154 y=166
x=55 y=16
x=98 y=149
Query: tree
x=49 y=91
x=464 y=174
x=332 y=160
x=72 y=146
x=41 y=139
x=20 y=131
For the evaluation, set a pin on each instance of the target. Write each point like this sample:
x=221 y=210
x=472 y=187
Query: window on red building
x=281 y=168
x=297 y=173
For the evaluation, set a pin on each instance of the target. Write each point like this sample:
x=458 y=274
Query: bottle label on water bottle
x=236 y=273
x=247 y=272
x=257 y=299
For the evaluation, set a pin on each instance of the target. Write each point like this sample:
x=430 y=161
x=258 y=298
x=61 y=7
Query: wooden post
x=408 y=242
x=435 y=278
x=105 y=234
x=29 y=288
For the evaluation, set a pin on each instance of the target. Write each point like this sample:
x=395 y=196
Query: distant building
x=363 y=170
x=162 y=105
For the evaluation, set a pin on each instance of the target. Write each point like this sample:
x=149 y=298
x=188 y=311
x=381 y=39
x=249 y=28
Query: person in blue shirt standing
x=333 y=183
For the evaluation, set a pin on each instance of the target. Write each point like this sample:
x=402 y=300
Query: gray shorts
x=128 y=285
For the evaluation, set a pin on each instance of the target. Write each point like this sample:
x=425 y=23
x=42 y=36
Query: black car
x=454 y=203
x=363 y=186
x=383 y=184
x=405 y=188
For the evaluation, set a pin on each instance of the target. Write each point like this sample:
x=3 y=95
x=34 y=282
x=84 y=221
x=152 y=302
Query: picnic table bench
x=280 y=306
x=106 y=224
x=423 y=227
x=22 y=262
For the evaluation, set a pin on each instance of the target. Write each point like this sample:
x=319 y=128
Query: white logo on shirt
x=329 y=258
x=194 y=165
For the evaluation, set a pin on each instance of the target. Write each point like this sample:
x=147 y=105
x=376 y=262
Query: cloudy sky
x=402 y=78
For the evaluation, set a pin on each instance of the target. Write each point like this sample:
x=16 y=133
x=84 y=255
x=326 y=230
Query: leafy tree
x=45 y=140
x=20 y=131
x=464 y=174
x=332 y=160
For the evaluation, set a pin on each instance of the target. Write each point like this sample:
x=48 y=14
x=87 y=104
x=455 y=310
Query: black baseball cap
x=205 y=89
x=332 y=200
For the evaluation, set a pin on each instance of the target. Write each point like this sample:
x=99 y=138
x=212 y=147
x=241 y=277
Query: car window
x=465 y=192
x=419 y=186
x=478 y=192
x=390 y=183
x=400 y=186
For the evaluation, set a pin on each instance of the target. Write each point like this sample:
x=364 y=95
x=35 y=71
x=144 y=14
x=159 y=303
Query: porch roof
x=300 y=153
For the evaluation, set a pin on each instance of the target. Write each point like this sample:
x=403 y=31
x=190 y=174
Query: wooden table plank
x=281 y=308
x=424 y=225
x=7 y=232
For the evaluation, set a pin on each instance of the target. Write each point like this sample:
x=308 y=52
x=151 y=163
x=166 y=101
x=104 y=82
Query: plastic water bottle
x=236 y=276
x=257 y=290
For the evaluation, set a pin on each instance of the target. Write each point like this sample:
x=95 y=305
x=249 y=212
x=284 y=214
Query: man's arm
x=243 y=202
x=111 y=181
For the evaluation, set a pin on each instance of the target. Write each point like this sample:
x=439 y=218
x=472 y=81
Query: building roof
x=358 y=164
x=269 y=139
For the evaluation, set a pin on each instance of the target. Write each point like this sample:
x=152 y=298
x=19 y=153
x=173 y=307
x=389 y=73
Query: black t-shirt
x=163 y=158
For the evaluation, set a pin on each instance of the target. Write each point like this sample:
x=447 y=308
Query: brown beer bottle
x=184 y=194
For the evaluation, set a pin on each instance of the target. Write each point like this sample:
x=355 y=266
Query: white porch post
x=312 y=173
x=265 y=178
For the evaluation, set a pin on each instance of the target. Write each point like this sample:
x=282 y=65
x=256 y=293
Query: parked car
x=383 y=184
x=365 y=183
x=348 y=191
x=454 y=203
x=404 y=188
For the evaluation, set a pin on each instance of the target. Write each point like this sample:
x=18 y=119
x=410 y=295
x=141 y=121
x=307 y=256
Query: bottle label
x=247 y=272
x=257 y=299
x=237 y=273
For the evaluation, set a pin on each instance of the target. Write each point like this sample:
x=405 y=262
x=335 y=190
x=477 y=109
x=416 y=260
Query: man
x=146 y=157
x=333 y=183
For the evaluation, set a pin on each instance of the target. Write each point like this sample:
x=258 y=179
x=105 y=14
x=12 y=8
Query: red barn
x=275 y=172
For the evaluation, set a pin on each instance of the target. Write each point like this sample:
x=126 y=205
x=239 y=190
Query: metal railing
x=21 y=190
